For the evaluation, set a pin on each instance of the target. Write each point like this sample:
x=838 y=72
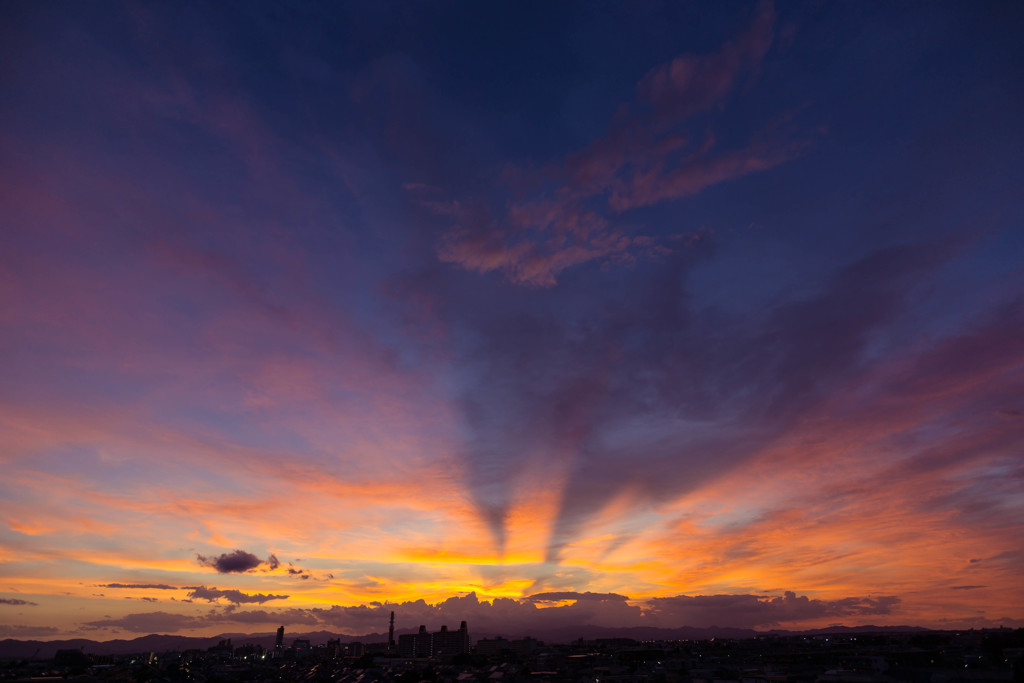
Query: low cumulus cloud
x=141 y=586
x=509 y=616
x=559 y=596
x=236 y=597
x=149 y=622
x=749 y=611
x=15 y=601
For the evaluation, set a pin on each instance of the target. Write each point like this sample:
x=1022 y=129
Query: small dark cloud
x=15 y=601
x=965 y=588
x=300 y=573
x=144 y=586
x=975 y=560
x=272 y=562
x=237 y=562
x=233 y=596
x=1010 y=414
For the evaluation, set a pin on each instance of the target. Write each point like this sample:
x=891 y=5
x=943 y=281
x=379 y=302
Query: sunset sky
x=639 y=313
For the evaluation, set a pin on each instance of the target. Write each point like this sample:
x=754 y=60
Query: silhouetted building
x=415 y=644
x=492 y=647
x=248 y=651
x=446 y=642
x=222 y=649
x=443 y=642
x=500 y=648
x=279 y=643
x=391 y=633
x=71 y=657
x=525 y=647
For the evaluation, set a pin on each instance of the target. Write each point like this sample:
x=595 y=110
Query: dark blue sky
x=658 y=300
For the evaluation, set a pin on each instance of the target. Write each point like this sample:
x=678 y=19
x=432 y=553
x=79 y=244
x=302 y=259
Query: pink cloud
x=690 y=84
x=644 y=159
x=694 y=176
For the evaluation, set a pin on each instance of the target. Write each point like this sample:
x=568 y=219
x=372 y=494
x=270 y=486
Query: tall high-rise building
x=391 y=633
x=279 y=643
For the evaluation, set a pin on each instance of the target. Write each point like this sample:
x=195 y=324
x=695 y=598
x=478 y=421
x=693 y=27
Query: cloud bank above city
x=648 y=314
x=511 y=616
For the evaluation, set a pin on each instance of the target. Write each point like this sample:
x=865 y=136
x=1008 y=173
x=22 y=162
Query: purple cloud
x=558 y=596
x=233 y=596
x=523 y=617
x=749 y=611
x=148 y=622
x=600 y=386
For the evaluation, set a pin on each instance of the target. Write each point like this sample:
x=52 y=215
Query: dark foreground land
x=916 y=657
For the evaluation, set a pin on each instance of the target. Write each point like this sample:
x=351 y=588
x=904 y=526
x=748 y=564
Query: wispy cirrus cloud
x=650 y=154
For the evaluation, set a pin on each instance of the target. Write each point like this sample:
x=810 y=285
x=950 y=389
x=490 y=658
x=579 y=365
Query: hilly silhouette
x=46 y=649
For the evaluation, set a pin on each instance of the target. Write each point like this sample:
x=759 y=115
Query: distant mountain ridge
x=46 y=649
